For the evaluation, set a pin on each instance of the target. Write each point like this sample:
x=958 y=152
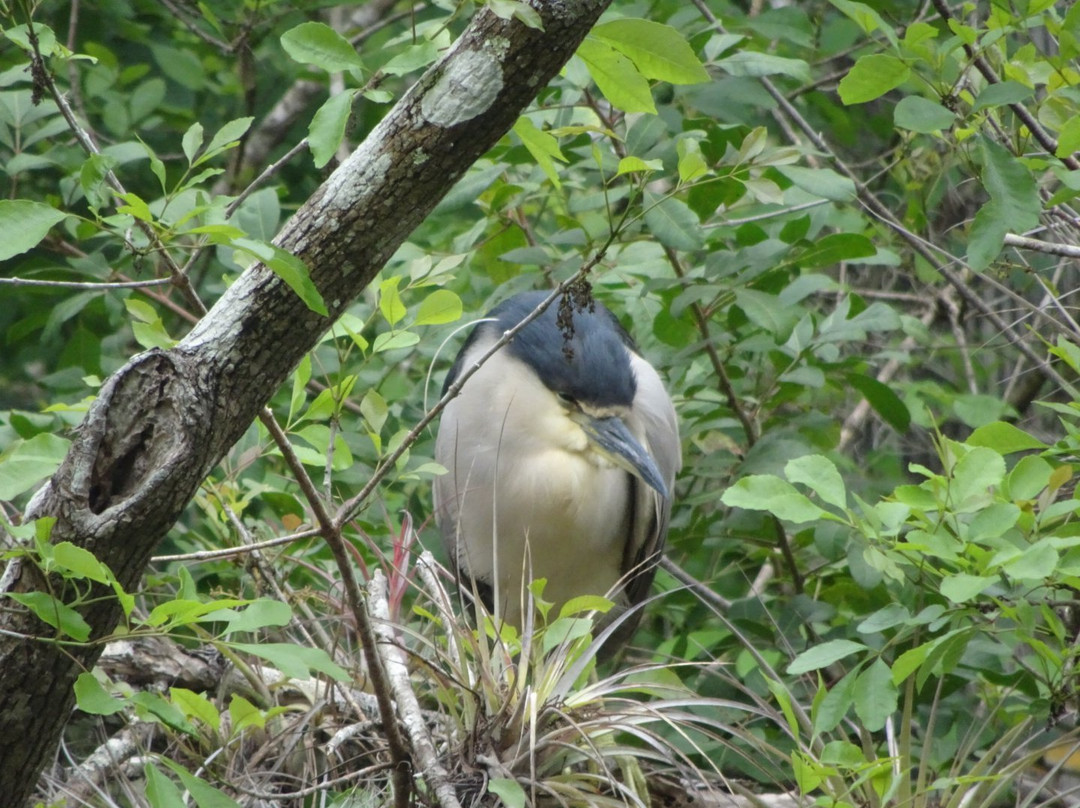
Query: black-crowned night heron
x=561 y=453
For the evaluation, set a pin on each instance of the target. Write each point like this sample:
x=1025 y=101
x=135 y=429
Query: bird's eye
x=567 y=399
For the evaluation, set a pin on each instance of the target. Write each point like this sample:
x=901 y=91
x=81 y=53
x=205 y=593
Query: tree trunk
x=161 y=423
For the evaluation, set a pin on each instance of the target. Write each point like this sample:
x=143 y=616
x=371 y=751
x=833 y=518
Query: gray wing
x=654 y=419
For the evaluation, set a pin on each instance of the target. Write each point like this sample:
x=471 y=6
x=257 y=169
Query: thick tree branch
x=165 y=420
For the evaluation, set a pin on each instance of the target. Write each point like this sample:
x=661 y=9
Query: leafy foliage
x=844 y=232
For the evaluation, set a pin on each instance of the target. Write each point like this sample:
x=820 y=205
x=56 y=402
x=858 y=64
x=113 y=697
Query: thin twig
x=331 y=533
x=1025 y=243
x=86 y=284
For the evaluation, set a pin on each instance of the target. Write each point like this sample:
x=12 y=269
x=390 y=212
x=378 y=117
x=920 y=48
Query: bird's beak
x=611 y=437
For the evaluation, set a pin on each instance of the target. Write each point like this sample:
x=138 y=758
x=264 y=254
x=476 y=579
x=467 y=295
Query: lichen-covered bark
x=165 y=420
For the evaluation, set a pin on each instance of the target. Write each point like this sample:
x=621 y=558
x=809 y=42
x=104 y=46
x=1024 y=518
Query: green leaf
x=327 y=128
x=195 y=705
x=23 y=225
x=192 y=141
x=543 y=147
x=866 y=18
x=883 y=399
x=987 y=235
x=631 y=164
x=975 y=473
x=1010 y=185
x=394 y=341
x=823 y=182
x=1003 y=438
x=1005 y=92
x=82 y=562
x=295 y=661
x=673 y=223
x=963 y=587
x=160 y=790
x=225 y=138
x=93 y=698
x=312 y=43
x=509 y=791
x=922 y=115
x=836 y=703
x=875 y=695
x=287 y=267
x=871 y=77
x=1035 y=563
x=28 y=462
x=441 y=306
x=390 y=303
x=823 y=655
x=412 y=58
x=260 y=613
x=895 y=614
x=765 y=310
x=834 y=248
x=55 y=613
x=204 y=794
x=818 y=474
x=618 y=79
x=764 y=492
x=1029 y=477
x=754 y=64
x=373 y=408
x=657 y=50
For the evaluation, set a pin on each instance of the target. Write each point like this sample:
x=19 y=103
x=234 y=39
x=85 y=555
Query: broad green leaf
x=260 y=613
x=286 y=266
x=618 y=79
x=1004 y=438
x=81 y=562
x=565 y=630
x=1068 y=138
x=875 y=695
x=160 y=790
x=390 y=304
x=243 y=714
x=225 y=138
x=963 y=587
x=543 y=147
x=55 y=613
x=866 y=18
x=394 y=341
x=823 y=655
x=692 y=164
x=818 y=474
x=920 y=114
x=631 y=164
x=23 y=224
x=439 y=307
x=895 y=614
x=204 y=794
x=1035 y=563
x=975 y=473
x=673 y=223
x=93 y=698
x=1010 y=184
x=1029 y=477
x=28 y=462
x=295 y=661
x=755 y=64
x=313 y=43
x=192 y=141
x=883 y=399
x=765 y=310
x=823 y=182
x=871 y=77
x=195 y=705
x=835 y=704
x=508 y=791
x=763 y=492
x=327 y=128
x=1004 y=92
x=834 y=248
x=412 y=58
x=657 y=50
x=373 y=408
x=987 y=235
